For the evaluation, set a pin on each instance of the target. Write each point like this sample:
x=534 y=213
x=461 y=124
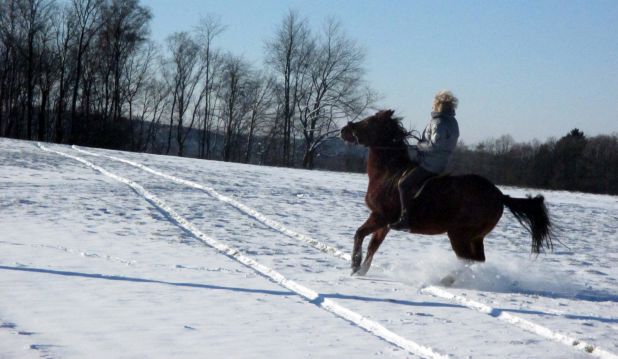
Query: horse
x=466 y=207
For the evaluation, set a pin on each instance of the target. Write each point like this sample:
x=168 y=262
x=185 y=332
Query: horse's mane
x=397 y=131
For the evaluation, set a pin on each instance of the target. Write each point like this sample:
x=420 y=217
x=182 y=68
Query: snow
x=112 y=254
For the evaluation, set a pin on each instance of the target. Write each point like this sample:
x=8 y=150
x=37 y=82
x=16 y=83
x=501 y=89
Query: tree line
x=87 y=72
x=573 y=162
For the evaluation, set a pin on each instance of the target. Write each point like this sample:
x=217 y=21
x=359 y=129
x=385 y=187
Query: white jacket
x=438 y=142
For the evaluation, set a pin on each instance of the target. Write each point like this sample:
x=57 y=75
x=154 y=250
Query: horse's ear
x=385 y=114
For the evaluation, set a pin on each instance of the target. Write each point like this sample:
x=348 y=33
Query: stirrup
x=402 y=224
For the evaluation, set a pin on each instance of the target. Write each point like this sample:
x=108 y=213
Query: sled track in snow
x=308 y=294
x=241 y=207
x=429 y=290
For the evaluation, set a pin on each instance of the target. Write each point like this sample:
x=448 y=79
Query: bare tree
x=33 y=16
x=136 y=73
x=47 y=70
x=155 y=100
x=63 y=26
x=600 y=164
x=259 y=91
x=287 y=54
x=234 y=100
x=3 y=63
x=184 y=73
x=10 y=76
x=87 y=22
x=125 y=29
x=333 y=90
x=208 y=29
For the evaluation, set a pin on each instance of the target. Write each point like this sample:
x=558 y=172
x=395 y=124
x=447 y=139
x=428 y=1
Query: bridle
x=357 y=142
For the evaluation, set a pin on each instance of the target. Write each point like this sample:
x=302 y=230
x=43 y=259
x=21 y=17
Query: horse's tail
x=532 y=214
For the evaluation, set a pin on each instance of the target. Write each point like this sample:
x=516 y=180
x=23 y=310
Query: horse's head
x=381 y=130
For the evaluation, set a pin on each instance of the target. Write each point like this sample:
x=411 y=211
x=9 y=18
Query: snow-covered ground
x=105 y=254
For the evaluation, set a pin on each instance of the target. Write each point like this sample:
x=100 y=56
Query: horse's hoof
x=356 y=263
x=448 y=280
x=362 y=271
x=355 y=267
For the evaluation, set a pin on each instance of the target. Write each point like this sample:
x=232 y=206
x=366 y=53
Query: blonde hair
x=445 y=101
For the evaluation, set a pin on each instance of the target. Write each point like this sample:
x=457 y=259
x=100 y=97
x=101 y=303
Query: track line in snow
x=86 y=254
x=308 y=294
x=520 y=322
x=279 y=227
x=429 y=290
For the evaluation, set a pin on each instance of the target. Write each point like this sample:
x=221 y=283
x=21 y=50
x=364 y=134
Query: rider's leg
x=404 y=186
x=409 y=184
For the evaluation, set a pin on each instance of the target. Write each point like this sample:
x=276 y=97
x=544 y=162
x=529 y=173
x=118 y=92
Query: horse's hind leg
x=477 y=249
x=376 y=241
x=459 y=243
x=467 y=246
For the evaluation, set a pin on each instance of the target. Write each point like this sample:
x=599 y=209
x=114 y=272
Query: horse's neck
x=390 y=161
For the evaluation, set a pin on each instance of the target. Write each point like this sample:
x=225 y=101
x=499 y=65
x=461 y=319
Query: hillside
x=114 y=254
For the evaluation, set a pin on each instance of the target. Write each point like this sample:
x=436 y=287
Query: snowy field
x=105 y=254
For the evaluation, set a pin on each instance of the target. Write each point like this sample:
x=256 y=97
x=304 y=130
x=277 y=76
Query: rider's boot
x=403 y=224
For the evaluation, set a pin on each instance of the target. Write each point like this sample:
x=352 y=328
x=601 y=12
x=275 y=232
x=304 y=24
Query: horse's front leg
x=376 y=240
x=371 y=225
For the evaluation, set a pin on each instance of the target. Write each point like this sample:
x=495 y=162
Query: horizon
x=529 y=70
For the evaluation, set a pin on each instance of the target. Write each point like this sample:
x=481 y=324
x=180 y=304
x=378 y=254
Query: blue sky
x=532 y=69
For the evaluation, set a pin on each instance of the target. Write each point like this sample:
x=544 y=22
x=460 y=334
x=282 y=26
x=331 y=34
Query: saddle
x=425 y=181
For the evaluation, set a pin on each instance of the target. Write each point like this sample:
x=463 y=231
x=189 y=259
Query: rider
x=433 y=153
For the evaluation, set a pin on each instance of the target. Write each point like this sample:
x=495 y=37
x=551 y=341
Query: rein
x=390 y=148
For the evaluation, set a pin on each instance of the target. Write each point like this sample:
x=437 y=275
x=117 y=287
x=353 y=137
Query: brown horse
x=466 y=207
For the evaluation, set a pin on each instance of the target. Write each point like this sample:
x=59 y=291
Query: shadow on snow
x=316 y=301
x=142 y=280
